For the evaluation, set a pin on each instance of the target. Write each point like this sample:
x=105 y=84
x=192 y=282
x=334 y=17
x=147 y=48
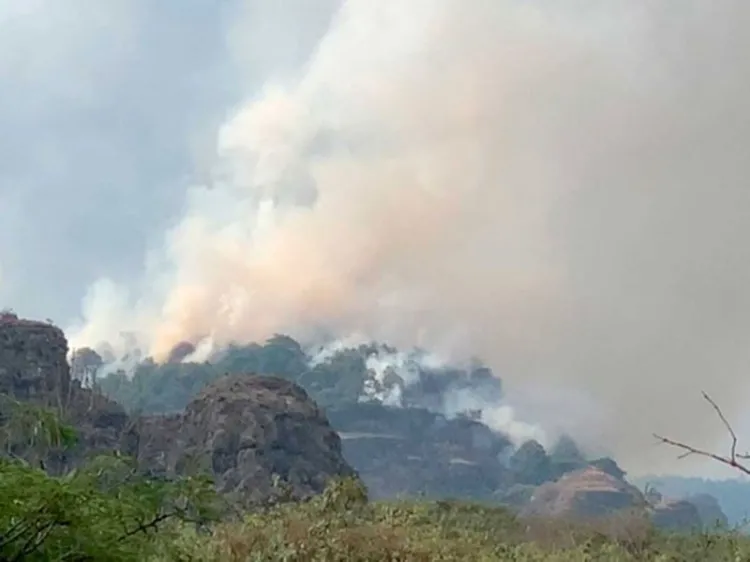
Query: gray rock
x=248 y=430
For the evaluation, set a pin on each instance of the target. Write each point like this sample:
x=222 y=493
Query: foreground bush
x=340 y=526
x=105 y=510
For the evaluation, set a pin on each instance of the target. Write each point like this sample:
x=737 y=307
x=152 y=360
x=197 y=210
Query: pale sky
x=107 y=110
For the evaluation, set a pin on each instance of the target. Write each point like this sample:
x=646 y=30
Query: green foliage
x=343 y=495
x=167 y=388
x=340 y=525
x=107 y=511
x=102 y=511
x=28 y=429
x=338 y=381
x=156 y=388
x=530 y=464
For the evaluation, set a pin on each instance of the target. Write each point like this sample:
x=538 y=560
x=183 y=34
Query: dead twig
x=732 y=460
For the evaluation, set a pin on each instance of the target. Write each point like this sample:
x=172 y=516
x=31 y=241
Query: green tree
x=530 y=464
x=103 y=511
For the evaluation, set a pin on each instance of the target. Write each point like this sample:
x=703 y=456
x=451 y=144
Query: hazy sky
x=107 y=111
x=557 y=186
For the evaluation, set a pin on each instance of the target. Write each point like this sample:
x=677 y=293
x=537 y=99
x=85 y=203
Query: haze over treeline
x=556 y=187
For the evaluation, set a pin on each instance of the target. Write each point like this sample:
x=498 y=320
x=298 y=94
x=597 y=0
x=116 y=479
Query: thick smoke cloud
x=106 y=111
x=557 y=187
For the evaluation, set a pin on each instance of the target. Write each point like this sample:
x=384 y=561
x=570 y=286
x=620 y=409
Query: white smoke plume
x=323 y=353
x=558 y=187
x=465 y=399
x=382 y=365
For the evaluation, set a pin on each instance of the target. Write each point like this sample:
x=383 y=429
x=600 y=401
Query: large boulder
x=583 y=494
x=259 y=436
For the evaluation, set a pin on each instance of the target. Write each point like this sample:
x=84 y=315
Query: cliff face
x=33 y=363
x=34 y=369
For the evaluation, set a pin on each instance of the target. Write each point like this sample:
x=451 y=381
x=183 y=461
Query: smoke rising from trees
x=557 y=188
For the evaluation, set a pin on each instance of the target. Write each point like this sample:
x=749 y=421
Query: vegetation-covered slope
x=106 y=511
x=95 y=502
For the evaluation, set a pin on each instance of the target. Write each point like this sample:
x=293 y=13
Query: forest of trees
x=102 y=510
x=339 y=380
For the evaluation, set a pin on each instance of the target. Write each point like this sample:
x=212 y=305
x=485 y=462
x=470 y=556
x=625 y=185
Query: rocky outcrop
x=597 y=491
x=34 y=369
x=583 y=494
x=409 y=451
x=33 y=363
x=263 y=436
x=248 y=431
x=155 y=445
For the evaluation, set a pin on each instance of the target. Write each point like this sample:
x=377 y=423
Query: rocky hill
x=592 y=493
x=248 y=431
x=262 y=436
x=583 y=494
x=258 y=436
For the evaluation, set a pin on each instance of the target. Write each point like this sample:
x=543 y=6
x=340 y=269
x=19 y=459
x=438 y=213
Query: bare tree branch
x=732 y=460
x=145 y=527
x=693 y=451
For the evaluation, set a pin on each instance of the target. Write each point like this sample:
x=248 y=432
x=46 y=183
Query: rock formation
x=595 y=492
x=583 y=494
x=248 y=430
x=407 y=451
x=34 y=369
x=33 y=364
x=262 y=436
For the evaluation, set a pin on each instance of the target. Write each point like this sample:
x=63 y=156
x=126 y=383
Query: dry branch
x=732 y=460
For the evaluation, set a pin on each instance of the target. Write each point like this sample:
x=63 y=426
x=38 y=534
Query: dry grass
x=333 y=528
